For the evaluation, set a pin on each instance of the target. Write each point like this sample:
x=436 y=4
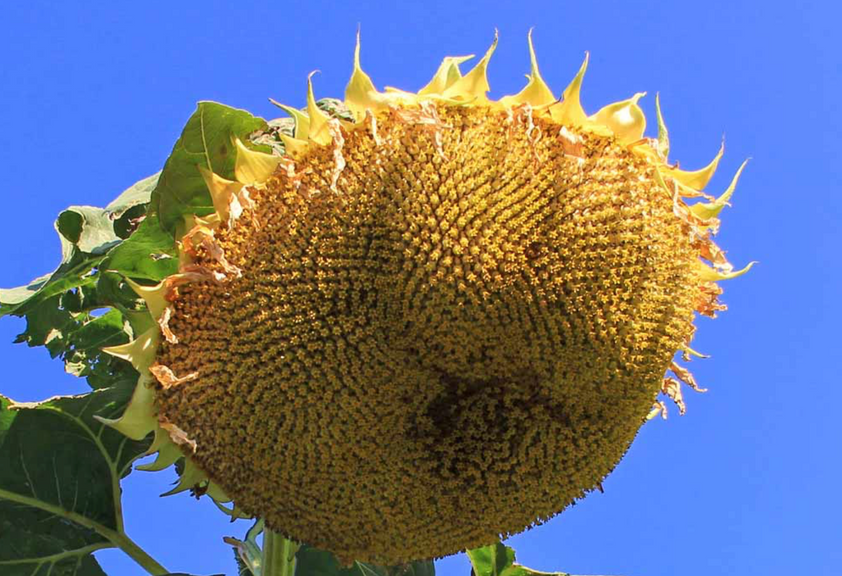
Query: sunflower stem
x=278 y=555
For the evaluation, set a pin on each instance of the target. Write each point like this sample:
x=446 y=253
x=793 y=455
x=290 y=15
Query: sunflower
x=434 y=320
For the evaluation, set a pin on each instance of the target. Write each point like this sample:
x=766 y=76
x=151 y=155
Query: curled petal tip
x=360 y=93
x=569 y=110
x=319 y=131
x=302 y=121
x=474 y=84
x=709 y=274
x=707 y=210
x=688 y=352
x=536 y=92
x=447 y=74
x=698 y=179
x=663 y=133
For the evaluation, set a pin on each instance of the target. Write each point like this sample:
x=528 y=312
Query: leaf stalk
x=137 y=554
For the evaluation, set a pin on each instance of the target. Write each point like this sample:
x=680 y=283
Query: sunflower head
x=434 y=320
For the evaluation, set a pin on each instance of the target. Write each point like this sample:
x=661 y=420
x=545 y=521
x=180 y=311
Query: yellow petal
x=211 y=222
x=302 y=121
x=698 y=179
x=474 y=84
x=625 y=119
x=293 y=146
x=252 y=166
x=360 y=94
x=404 y=97
x=140 y=351
x=154 y=296
x=446 y=76
x=221 y=191
x=663 y=133
x=658 y=409
x=191 y=476
x=319 y=131
x=536 y=92
x=660 y=179
x=709 y=274
x=707 y=210
x=168 y=452
x=138 y=420
x=687 y=352
x=569 y=110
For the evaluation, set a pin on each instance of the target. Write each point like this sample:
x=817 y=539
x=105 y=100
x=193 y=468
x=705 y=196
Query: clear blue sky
x=93 y=95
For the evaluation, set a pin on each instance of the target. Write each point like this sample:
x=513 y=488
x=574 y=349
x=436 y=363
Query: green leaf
x=84 y=356
x=129 y=207
x=149 y=253
x=59 y=483
x=70 y=563
x=60 y=311
x=89 y=229
x=491 y=560
x=100 y=332
x=314 y=562
x=205 y=141
x=138 y=193
x=86 y=235
x=67 y=329
x=46 y=323
x=71 y=273
x=499 y=560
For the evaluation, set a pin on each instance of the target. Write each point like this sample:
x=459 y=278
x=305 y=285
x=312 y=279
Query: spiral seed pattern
x=452 y=341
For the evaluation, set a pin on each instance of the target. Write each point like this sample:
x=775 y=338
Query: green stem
x=278 y=555
x=116 y=537
x=138 y=554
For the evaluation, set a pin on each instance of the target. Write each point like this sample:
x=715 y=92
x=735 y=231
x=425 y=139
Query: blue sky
x=92 y=99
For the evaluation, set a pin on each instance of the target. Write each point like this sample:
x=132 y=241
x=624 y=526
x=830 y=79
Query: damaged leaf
x=86 y=235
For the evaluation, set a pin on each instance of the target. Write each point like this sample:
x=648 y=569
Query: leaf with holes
x=86 y=234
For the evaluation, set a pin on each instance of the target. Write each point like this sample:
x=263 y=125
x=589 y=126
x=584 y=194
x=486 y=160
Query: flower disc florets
x=438 y=324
